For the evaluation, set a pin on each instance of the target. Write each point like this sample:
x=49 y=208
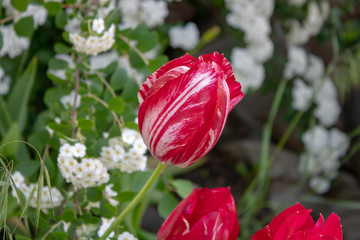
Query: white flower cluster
x=46 y=201
x=94 y=44
x=80 y=171
x=309 y=71
x=150 y=12
x=253 y=18
x=320 y=161
x=106 y=224
x=68 y=100
x=14 y=45
x=4 y=82
x=185 y=37
x=126 y=153
x=317 y=14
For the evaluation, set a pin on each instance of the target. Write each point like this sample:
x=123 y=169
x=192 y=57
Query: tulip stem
x=154 y=176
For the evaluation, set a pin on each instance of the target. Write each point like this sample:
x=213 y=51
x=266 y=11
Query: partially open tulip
x=204 y=214
x=296 y=223
x=184 y=106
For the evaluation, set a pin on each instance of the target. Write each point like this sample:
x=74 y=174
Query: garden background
x=70 y=72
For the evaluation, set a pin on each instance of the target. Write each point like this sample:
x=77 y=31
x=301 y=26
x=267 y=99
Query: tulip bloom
x=204 y=214
x=296 y=223
x=184 y=106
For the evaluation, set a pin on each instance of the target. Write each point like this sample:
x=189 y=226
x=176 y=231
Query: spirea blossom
x=301 y=94
x=126 y=152
x=46 y=201
x=297 y=62
x=150 y=12
x=93 y=45
x=316 y=16
x=246 y=69
x=186 y=37
x=37 y=12
x=126 y=236
x=323 y=149
x=81 y=172
x=13 y=45
x=68 y=100
x=98 y=25
x=105 y=224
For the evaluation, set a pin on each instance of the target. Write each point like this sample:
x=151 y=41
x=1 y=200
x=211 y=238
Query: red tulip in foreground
x=204 y=214
x=184 y=106
x=296 y=223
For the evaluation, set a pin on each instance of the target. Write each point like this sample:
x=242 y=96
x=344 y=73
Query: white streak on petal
x=193 y=88
x=187 y=226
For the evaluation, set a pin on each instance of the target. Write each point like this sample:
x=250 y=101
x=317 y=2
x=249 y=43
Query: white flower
x=78 y=150
x=262 y=50
x=65 y=150
x=153 y=12
x=98 y=25
x=327 y=111
x=297 y=62
x=301 y=94
x=13 y=45
x=129 y=135
x=126 y=236
x=18 y=178
x=37 y=12
x=315 y=139
x=315 y=70
x=186 y=37
x=104 y=226
x=339 y=142
x=319 y=184
x=250 y=73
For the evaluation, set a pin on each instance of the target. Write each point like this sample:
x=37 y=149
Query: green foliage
x=24 y=27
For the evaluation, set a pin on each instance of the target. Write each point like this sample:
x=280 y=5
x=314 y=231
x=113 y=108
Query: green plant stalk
x=255 y=193
x=155 y=175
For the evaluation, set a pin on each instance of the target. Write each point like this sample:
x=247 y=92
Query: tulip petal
x=182 y=120
x=332 y=227
x=167 y=72
x=235 y=88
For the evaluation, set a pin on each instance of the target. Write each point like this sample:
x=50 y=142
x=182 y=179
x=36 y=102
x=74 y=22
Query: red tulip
x=204 y=214
x=184 y=106
x=296 y=223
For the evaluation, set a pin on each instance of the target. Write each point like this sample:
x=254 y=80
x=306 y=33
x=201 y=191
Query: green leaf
x=1 y=41
x=141 y=30
x=5 y=119
x=60 y=19
x=24 y=27
x=107 y=210
x=118 y=79
x=112 y=17
x=117 y=105
x=94 y=194
x=130 y=91
x=27 y=167
x=125 y=196
x=85 y=124
x=57 y=64
x=20 y=5
x=7 y=147
x=155 y=64
x=19 y=96
x=62 y=48
x=148 y=41
x=166 y=204
x=53 y=7
x=89 y=218
x=135 y=59
x=68 y=215
x=183 y=187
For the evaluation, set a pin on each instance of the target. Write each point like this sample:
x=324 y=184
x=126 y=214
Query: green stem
x=255 y=193
x=159 y=169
